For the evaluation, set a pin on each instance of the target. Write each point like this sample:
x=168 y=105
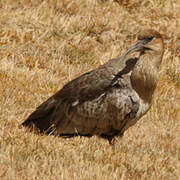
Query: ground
x=44 y=45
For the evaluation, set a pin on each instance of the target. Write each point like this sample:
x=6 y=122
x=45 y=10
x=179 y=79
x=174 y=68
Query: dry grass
x=45 y=44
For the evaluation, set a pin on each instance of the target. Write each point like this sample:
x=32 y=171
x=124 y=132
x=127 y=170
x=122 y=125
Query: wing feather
x=75 y=94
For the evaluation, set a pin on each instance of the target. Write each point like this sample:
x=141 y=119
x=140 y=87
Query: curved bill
x=136 y=47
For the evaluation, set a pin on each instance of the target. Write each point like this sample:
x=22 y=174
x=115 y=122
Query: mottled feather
x=107 y=100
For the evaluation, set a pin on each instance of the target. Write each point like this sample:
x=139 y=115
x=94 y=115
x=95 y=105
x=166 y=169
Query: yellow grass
x=45 y=44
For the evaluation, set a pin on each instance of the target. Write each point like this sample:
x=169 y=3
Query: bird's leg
x=111 y=140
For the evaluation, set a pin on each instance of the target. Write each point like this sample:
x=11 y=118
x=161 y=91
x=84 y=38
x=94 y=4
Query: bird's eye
x=150 y=38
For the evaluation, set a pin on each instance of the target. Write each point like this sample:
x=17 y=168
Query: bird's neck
x=144 y=76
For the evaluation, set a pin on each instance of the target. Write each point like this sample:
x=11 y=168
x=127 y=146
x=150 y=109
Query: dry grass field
x=45 y=44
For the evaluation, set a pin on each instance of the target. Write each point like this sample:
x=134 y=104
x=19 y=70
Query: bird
x=107 y=100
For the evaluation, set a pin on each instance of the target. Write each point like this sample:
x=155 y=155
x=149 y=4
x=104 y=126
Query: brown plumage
x=107 y=100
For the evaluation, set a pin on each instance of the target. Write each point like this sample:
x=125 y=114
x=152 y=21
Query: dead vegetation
x=45 y=44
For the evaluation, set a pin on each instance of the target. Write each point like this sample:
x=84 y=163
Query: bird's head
x=148 y=41
x=151 y=40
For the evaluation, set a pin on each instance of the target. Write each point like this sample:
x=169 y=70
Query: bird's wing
x=94 y=83
x=107 y=114
x=87 y=87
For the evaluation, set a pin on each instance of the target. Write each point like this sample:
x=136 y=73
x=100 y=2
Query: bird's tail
x=41 y=119
x=41 y=125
